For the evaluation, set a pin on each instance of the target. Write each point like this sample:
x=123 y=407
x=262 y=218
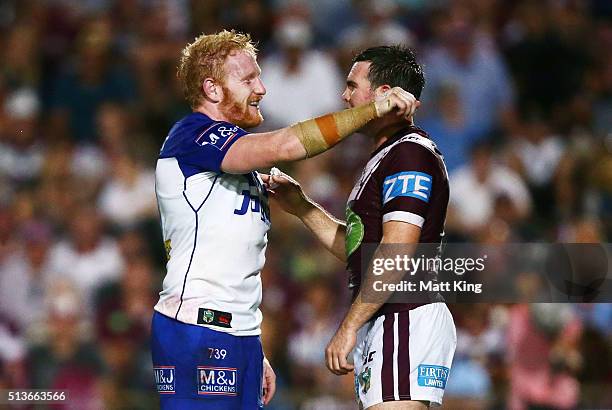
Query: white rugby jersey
x=214 y=227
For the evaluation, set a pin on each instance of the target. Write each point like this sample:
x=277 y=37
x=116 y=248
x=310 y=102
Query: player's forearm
x=319 y=134
x=328 y=229
x=359 y=313
x=314 y=136
x=363 y=308
x=302 y=140
x=368 y=302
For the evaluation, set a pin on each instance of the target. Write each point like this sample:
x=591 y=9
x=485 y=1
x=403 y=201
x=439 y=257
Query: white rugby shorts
x=405 y=356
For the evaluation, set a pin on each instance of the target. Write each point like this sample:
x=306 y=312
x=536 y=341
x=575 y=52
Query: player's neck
x=387 y=131
x=212 y=111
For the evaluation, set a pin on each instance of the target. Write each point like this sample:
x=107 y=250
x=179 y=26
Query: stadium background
x=519 y=97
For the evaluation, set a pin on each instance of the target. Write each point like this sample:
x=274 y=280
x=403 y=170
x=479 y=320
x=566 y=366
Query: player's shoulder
x=414 y=146
x=196 y=125
x=198 y=130
x=413 y=153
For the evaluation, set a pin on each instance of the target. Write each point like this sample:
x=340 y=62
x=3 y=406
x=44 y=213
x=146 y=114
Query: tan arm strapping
x=319 y=134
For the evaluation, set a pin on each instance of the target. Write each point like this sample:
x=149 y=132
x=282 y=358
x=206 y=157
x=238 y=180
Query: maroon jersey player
x=402 y=352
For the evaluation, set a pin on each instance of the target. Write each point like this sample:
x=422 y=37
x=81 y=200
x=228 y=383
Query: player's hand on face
x=397 y=99
x=269 y=382
x=286 y=191
x=338 y=350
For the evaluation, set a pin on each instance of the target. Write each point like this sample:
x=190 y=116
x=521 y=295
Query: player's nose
x=345 y=95
x=260 y=88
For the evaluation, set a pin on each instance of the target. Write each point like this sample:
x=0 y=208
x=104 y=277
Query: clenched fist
x=403 y=102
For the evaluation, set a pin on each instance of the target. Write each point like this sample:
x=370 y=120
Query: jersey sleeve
x=208 y=147
x=408 y=182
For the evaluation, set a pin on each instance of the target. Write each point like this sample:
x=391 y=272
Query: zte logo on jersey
x=221 y=381
x=409 y=183
x=165 y=380
x=217 y=135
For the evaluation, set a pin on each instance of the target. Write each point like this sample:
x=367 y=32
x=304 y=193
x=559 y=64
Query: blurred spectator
x=64 y=360
x=94 y=79
x=122 y=306
x=253 y=17
x=477 y=187
x=154 y=51
x=122 y=324
x=301 y=67
x=128 y=196
x=479 y=337
x=595 y=348
x=602 y=104
x=376 y=26
x=449 y=128
x=13 y=372
x=543 y=356
x=470 y=63
x=19 y=55
x=548 y=69
x=8 y=240
x=25 y=276
x=307 y=346
x=21 y=149
x=536 y=155
x=87 y=257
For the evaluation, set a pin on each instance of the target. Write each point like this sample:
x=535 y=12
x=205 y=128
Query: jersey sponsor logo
x=255 y=199
x=354 y=231
x=412 y=184
x=165 y=379
x=432 y=376
x=221 y=381
x=217 y=135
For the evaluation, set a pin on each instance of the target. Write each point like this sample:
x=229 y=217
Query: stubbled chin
x=251 y=120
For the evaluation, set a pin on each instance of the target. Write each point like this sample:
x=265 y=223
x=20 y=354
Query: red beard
x=238 y=113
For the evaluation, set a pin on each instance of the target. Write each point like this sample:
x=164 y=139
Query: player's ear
x=381 y=90
x=212 y=90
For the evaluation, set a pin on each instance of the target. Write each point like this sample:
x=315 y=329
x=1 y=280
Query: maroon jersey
x=404 y=180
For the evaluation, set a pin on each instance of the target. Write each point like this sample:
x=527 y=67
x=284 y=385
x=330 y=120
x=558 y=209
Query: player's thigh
x=403 y=405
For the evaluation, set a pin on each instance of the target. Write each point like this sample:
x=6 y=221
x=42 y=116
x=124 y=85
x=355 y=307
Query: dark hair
x=395 y=66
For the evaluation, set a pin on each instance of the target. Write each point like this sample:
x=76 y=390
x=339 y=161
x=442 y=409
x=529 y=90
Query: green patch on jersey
x=354 y=231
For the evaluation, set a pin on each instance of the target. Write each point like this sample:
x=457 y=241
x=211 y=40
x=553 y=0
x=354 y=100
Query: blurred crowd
x=518 y=98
